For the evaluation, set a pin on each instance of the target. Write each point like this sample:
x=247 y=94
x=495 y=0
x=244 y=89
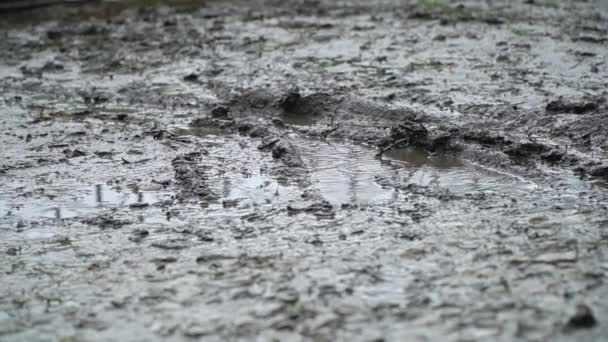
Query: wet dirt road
x=305 y=171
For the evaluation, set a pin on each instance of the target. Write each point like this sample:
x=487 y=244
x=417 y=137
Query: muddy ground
x=305 y=170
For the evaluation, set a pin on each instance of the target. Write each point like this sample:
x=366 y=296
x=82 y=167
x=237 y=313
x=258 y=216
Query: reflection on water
x=110 y=198
x=80 y=202
x=254 y=189
x=346 y=173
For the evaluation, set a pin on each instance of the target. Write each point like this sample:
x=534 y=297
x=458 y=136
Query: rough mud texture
x=305 y=171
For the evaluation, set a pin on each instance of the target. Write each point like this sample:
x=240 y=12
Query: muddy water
x=342 y=172
x=347 y=173
x=82 y=201
x=351 y=174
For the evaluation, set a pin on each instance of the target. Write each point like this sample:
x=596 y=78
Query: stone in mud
x=287 y=153
x=191 y=78
x=407 y=134
x=414 y=134
x=121 y=117
x=52 y=66
x=439 y=141
x=583 y=318
x=220 y=112
x=314 y=105
x=245 y=126
x=563 y=106
x=290 y=101
x=278 y=122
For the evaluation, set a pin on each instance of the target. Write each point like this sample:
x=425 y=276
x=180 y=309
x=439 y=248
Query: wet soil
x=304 y=170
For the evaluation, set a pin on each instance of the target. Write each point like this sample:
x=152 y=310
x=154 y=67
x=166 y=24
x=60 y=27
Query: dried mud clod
x=415 y=134
x=220 y=112
x=316 y=104
x=283 y=151
x=218 y=118
x=291 y=102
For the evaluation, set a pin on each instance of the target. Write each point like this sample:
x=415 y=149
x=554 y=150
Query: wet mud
x=304 y=171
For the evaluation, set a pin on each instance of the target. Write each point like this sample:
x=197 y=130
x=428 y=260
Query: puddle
x=85 y=201
x=258 y=187
x=346 y=173
x=244 y=179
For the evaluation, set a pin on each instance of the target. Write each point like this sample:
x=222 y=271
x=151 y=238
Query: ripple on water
x=80 y=201
x=346 y=173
